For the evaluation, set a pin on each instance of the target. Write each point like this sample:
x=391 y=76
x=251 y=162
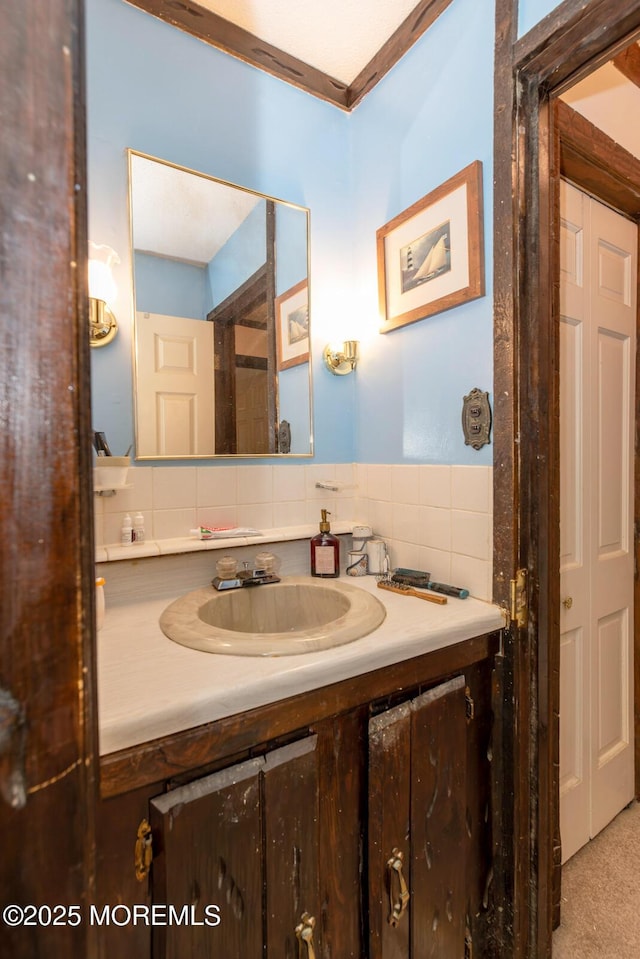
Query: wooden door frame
x=225 y=317
x=569 y=43
x=47 y=649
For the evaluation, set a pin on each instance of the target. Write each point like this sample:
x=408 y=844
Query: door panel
x=211 y=854
x=572 y=749
x=252 y=413
x=419 y=833
x=291 y=846
x=175 y=392
x=439 y=834
x=245 y=839
x=571 y=540
x=612 y=307
x=597 y=389
x=575 y=505
x=613 y=421
x=389 y=815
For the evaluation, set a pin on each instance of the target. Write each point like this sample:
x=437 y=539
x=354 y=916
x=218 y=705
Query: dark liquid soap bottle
x=325 y=551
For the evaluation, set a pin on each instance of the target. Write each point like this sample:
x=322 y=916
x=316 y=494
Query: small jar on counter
x=226 y=567
x=268 y=561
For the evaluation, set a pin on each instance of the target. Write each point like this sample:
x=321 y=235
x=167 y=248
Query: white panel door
x=597 y=361
x=175 y=395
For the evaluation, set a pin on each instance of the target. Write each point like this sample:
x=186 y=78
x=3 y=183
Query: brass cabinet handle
x=568 y=602
x=398 y=906
x=144 y=850
x=304 y=935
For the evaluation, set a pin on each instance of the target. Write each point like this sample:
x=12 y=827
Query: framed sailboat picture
x=292 y=326
x=431 y=256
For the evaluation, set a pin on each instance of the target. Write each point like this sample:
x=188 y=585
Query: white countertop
x=149 y=686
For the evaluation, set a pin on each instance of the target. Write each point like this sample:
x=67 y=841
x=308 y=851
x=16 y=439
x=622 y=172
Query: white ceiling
x=612 y=103
x=339 y=37
x=182 y=215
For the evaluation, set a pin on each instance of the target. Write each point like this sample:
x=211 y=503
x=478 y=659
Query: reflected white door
x=597 y=388
x=174 y=392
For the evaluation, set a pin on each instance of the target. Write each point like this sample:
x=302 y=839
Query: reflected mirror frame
x=131 y=153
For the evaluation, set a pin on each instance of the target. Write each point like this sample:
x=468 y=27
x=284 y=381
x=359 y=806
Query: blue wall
x=157 y=90
x=171 y=287
x=160 y=91
x=428 y=119
x=242 y=255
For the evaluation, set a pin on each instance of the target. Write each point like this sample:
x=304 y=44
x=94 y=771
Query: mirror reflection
x=221 y=317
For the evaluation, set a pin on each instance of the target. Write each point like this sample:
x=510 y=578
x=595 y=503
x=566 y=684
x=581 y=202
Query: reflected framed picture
x=431 y=256
x=292 y=326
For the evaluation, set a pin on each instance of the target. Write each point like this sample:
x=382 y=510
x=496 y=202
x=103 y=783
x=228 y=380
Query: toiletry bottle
x=325 y=551
x=126 y=534
x=138 y=528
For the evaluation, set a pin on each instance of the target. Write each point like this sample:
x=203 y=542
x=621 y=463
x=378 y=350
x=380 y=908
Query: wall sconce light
x=102 y=292
x=341 y=359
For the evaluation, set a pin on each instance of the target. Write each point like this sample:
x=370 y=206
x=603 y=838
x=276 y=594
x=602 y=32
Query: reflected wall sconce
x=102 y=293
x=341 y=359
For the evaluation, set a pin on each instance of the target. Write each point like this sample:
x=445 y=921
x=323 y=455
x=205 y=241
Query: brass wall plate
x=476 y=419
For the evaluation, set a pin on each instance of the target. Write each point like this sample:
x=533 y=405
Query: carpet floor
x=600 y=912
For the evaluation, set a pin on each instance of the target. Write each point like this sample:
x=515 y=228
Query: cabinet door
x=291 y=851
x=439 y=834
x=244 y=839
x=389 y=832
x=418 y=837
x=208 y=851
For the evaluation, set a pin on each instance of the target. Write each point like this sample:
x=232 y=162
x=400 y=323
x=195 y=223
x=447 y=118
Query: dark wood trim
x=411 y=29
x=241 y=299
x=224 y=318
x=551 y=676
x=170 y=756
x=47 y=658
x=597 y=163
x=251 y=362
x=628 y=63
x=510 y=800
x=578 y=36
x=574 y=39
x=226 y=36
x=636 y=549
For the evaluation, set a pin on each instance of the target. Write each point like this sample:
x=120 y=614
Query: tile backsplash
x=437 y=518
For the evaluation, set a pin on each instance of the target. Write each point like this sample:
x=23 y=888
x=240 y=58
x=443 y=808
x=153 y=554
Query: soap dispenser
x=325 y=550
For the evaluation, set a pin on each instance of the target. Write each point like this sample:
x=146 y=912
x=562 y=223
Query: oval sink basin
x=298 y=615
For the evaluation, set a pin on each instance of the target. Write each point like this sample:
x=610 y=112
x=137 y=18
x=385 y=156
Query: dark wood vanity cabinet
x=351 y=822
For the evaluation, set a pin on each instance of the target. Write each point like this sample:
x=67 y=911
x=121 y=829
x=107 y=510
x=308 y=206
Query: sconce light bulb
x=102 y=285
x=102 y=293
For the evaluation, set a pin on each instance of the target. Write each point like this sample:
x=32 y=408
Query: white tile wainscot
x=433 y=517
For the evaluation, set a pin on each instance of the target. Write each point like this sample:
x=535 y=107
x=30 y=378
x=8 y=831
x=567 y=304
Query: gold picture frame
x=431 y=256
